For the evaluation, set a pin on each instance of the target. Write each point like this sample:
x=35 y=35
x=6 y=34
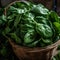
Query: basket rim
x=35 y=49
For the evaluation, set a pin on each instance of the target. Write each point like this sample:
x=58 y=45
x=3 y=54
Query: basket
x=25 y=53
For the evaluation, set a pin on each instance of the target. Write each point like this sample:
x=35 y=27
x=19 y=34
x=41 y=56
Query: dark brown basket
x=25 y=53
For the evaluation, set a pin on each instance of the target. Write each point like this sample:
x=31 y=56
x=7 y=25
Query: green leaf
x=47 y=41
x=54 y=17
x=2 y=19
x=40 y=9
x=3 y=51
x=33 y=44
x=29 y=36
x=57 y=26
x=6 y=30
x=17 y=10
x=15 y=37
x=41 y=19
x=17 y=20
x=44 y=30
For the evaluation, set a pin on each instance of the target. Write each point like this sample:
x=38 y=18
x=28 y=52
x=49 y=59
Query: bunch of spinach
x=31 y=25
x=55 y=20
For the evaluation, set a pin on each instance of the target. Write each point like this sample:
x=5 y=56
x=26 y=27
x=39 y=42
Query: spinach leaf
x=54 y=17
x=33 y=44
x=15 y=37
x=2 y=19
x=6 y=30
x=17 y=10
x=44 y=42
x=57 y=26
x=3 y=51
x=29 y=36
x=17 y=20
x=40 y=9
x=44 y=30
x=41 y=19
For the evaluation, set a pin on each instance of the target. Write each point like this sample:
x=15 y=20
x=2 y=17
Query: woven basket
x=25 y=53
